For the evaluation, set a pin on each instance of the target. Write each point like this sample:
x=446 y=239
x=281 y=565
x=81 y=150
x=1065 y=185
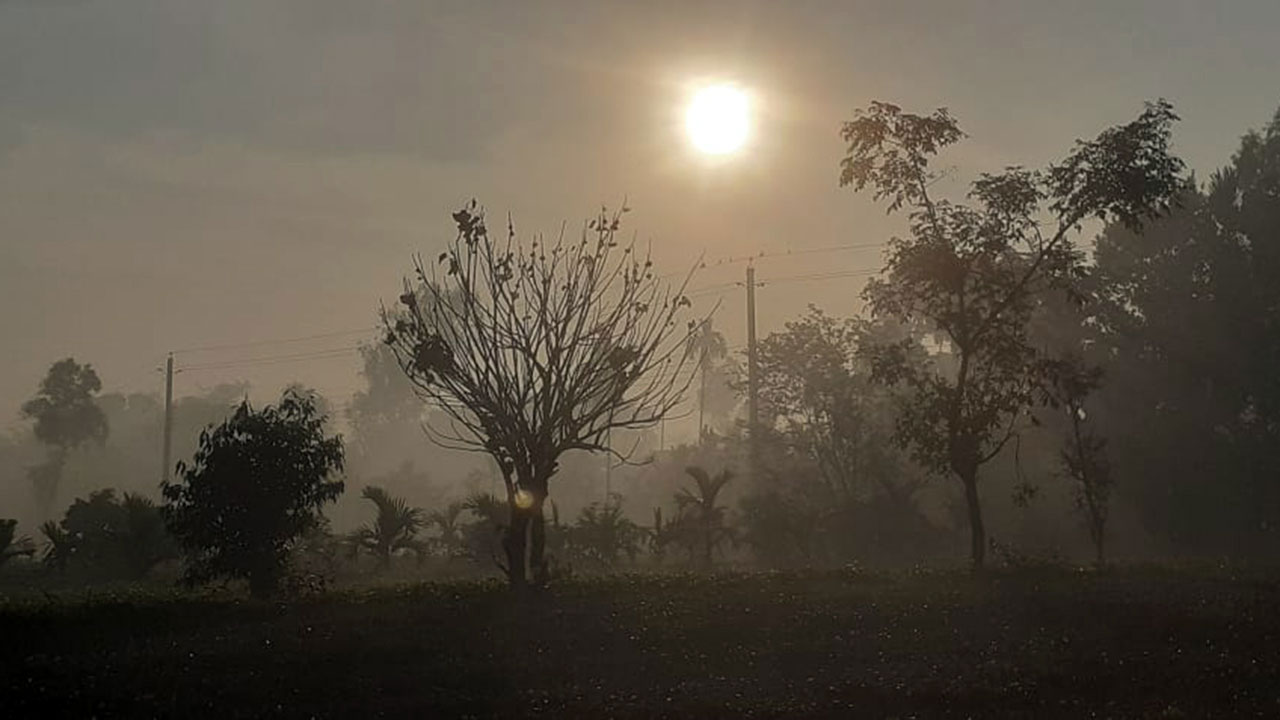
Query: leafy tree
x=816 y=389
x=255 y=486
x=11 y=544
x=974 y=271
x=395 y=527
x=536 y=349
x=702 y=522
x=1083 y=456
x=1187 y=328
x=66 y=417
x=602 y=534
x=106 y=536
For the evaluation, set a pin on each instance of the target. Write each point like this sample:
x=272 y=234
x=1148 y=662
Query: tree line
x=1138 y=369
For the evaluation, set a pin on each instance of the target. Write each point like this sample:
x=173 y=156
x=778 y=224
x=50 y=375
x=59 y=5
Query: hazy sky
x=179 y=173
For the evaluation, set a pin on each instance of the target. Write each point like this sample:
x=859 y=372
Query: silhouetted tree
x=703 y=522
x=449 y=541
x=602 y=534
x=974 y=271
x=536 y=349
x=818 y=393
x=395 y=527
x=1187 y=328
x=256 y=484
x=106 y=536
x=13 y=545
x=1083 y=455
x=66 y=417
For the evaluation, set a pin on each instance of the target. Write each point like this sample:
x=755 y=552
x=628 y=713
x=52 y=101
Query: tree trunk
x=977 y=533
x=516 y=544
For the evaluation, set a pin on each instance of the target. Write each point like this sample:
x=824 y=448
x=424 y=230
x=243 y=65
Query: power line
x=819 y=276
x=282 y=341
x=275 y=359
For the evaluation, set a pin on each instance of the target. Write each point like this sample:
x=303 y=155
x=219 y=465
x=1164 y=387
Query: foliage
x=535 y=349
x=1083 y=456
x=256 y=485
x=449 y=539
x=394 y=528
x=13 y=545
x=602 y=535
x=66 y=417
x=106 y=536
x=974 y=272
x=1187 y=328
x=819 y=393
x=702 y=524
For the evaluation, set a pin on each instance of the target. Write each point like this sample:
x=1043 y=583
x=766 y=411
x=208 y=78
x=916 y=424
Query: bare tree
x=535 y=349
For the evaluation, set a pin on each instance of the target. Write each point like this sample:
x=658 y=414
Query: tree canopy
x=974 y=271
x=256 y=484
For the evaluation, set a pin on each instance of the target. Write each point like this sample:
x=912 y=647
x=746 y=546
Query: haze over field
x=181 y=173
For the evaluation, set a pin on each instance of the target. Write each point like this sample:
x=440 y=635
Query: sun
x=718 y=119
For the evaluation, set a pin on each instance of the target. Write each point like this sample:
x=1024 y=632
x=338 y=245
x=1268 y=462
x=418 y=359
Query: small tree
x=257 y=483
x=602 y=534
x=395 y=527
x=449 y=539
x=536 y=349
x=703 y=523
x=974 y=272
x=66 y=417
x=1084 y=451
x=11 y=544
x=106 y=536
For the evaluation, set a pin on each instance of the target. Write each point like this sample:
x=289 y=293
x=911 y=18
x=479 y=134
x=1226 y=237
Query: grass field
x=1127 y=643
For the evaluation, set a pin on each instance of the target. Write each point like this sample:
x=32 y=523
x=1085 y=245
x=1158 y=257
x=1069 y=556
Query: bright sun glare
x=718 y=119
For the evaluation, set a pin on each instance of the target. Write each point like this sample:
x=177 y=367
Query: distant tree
x=395 y=527
x=660 y=534
x=107 y=536
x=703 y=522
x=818 y=392
x=533 y=350
x=11 y=544
x=449 y=539
x=975 y=271
x=66 y=417
x=256 y=485
x=707 y=346
x=602 y=534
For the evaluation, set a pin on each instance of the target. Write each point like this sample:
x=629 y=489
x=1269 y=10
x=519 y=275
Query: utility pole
x=752 y=375
x=168 y=418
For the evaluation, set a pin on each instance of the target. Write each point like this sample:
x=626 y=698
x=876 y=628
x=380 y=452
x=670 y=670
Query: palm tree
x=450 y=540
x=708 y=346
x=59 y=545
x=394 y=528
x=703 y=521
x=11 y=546
x=602 y=533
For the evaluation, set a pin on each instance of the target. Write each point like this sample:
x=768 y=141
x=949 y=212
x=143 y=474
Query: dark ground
x=1127 y=643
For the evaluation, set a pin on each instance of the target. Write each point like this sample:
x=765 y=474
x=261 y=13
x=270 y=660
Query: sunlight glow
x=524 y=499
x=719 y=119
